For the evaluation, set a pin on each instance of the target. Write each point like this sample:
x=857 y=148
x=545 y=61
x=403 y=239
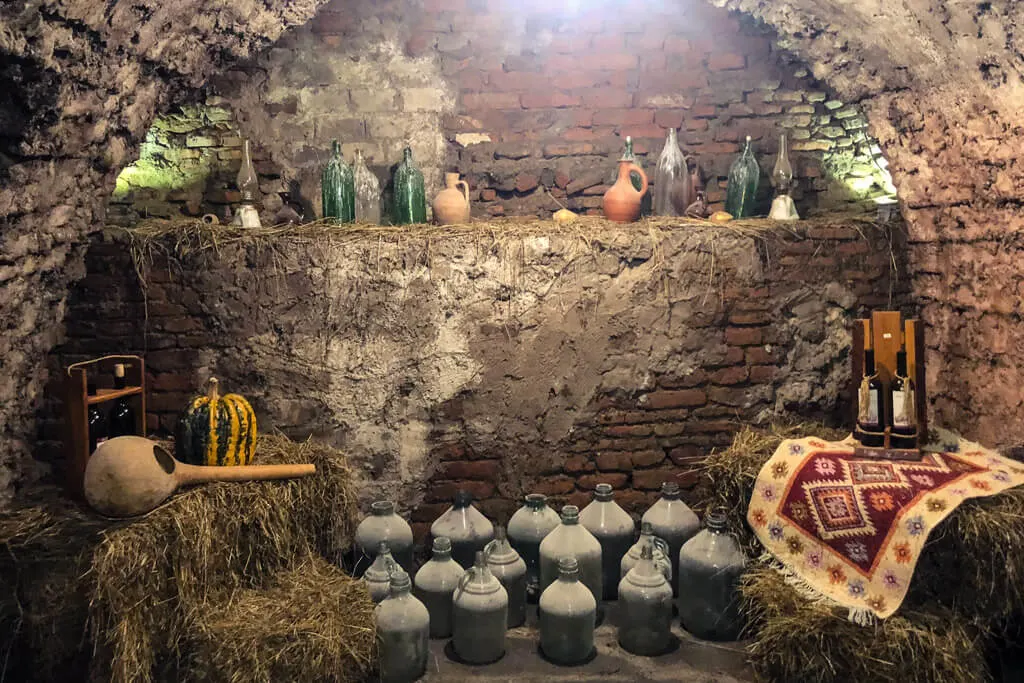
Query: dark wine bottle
x=122 y=415
x=97 y=425
x=871 y=413
x=903 y=408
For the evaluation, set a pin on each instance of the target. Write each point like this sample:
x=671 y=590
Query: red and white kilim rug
x=852 y=529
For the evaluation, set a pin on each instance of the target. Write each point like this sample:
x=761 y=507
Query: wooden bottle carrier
x=76 y=408
x=886 y=332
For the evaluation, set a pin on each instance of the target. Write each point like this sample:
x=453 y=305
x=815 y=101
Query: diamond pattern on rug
x=853 y=528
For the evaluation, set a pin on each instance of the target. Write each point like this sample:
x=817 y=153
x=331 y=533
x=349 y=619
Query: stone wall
x=532 y=102
x=531 y=362
x=81 y=83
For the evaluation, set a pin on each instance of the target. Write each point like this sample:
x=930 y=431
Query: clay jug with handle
x=622 y=200
x=451 y=205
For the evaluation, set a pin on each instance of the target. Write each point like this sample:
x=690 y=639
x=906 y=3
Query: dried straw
x=143 y=583
x=798 y=641
x=315 y=623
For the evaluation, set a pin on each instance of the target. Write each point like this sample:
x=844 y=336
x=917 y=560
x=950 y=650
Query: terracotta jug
x=622 y=200
x=451 y=205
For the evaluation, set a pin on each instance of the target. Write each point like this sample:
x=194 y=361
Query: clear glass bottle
x=710 y=566
x=410 y=201
x=384 y=525
x=479 y=615
x=466 y=527
x=672 y=520
x=435 y=584
x=645 y=608
x=614 y=529
x=378 y=575
x=568 y=615
x=659 y=552
x=510 y=569
x=249 y=188
x=337 y=187
x=402 y=627
x=782 y=174
x=671 y=179
x=741 y=191
x=367 y=192
x=570 y=538
x=527 y=528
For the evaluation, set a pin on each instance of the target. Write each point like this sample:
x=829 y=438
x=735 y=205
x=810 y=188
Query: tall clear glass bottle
x=410 y=201
x=614 y=529
x=568 y=615
x=435 y=584
x=337 y=186
x=671 y=179
x=710 y=566
x=527 y=528
x=672 y=520
x=367 y=192
x=402 y=628
x=744 y=176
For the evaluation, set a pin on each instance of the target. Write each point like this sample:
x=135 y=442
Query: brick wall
x=529 y=101
x=532 y=364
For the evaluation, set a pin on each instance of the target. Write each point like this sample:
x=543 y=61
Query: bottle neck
x=382 y=508
x=536 y=501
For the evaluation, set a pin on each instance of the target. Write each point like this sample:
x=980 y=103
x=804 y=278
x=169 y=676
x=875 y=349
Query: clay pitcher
x=451 y=205
x=622 y=200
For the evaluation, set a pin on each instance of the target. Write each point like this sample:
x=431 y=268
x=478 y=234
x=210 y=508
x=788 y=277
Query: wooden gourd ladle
x=131 y=475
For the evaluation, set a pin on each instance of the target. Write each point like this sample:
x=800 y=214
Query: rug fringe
x=856 y=615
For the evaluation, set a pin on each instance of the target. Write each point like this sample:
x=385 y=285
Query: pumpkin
x=216 y=430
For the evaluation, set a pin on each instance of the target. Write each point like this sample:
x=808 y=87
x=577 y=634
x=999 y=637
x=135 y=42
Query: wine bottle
x=97 y=425
x=871 y=413
x=903 y=407
x=122 y=415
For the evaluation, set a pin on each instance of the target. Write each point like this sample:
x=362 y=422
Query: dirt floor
x=691 y=661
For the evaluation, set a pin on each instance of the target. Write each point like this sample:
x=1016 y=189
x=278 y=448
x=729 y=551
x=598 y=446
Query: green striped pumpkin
x=216 y=430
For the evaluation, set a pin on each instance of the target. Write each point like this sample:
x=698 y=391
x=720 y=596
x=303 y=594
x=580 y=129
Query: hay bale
x=797 y=640
x=146 y=580
x=314 y=623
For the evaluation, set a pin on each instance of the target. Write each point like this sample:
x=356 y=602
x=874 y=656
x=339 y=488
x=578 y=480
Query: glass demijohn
x=410 y=201
x=402 y=627
x=645 y=608
x=527 y=528
x=479 y=615
x=435 y=584
x=568 y=615
x=384 y=525
x=710 y=566
x=337 y=186
x=506 y=565
x=466 y=527
x=378 y=574
x=571 y=538
x=613 y=528
x=671 y=179
x=672 y=520
x=744 y=176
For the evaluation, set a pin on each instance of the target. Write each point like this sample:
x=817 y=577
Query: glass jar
x=337 y=188
x=568 y=615
x=479 y=615
x=367 y=189
x=527 y=528
x=435 y=584
x=466 y=527
x=645 y=608
x=410 y=200
x=672 y=520
x=659 y=553
x=510 y=569
x=671 y=179
x=570 y=538
x=378 y=574
x=614 y=530
x=710 y=566
x=402 y=627
x=384 y=525
x=744 y=176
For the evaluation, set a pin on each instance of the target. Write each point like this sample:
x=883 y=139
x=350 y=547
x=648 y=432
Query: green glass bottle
x=410 y=203
x=338 y=188
x=744 y=175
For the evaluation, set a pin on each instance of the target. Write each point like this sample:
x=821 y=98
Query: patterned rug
x=852 y=529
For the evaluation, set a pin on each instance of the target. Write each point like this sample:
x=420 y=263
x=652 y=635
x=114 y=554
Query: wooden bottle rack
x=887 y=333
x=76 y=409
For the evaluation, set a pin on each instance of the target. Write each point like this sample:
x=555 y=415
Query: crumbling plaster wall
x=942 y=84
x=81 y=82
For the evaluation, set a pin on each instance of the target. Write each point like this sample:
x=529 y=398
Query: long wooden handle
x=197 y=474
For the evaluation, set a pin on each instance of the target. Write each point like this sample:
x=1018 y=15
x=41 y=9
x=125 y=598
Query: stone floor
x=692 y=661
